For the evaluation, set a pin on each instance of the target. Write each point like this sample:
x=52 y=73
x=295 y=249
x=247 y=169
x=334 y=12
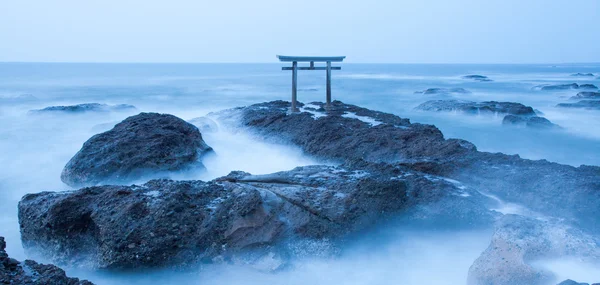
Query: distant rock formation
x=586 y=95
x=583 y=104
x=434 y=91
x=529 y=121
x=566 y=87
x=30 y=272
x=84 y=108
x=139 y=145
x=476 y=77
x=582 y=74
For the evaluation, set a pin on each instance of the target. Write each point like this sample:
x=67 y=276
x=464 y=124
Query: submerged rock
x=586 y=95
x=582 y=74
x=471 y=107
x=84 y=108
x=566 y=87
x=583 y=104
x=144 y=144
x=477 y=78
x=31 y=272
x=178 y=223
x=529 y=121
x=518 y=241
x=432 y=91
x=204 y=124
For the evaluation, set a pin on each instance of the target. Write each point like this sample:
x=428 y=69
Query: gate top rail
x=287 y=58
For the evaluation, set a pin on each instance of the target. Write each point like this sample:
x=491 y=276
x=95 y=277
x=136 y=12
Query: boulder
x=141 y=145
x=178 y=223
x=84 y=108
x=528 y=121
x=586 y=95
x=475 y=77
x=471 y=107
x=204 y=124
x=31 y=272
x=583 y=104
x=519 y=240
x=583 y=74
x=434 y=91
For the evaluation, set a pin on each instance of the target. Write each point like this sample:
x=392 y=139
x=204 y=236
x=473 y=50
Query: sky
x=369 y=31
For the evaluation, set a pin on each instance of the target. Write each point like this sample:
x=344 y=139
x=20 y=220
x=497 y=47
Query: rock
x=571 y=282
x=519 y=240
x=586 y=95
x=477 y=78
x=471 y=107
x=85 y=108
x=582 y=74
x=178 y=223
x=204 y=124
x=529 y=121
x=566 y=87
x=141 y=145
x=432 y=91
x=583 y=104
x=31 y=272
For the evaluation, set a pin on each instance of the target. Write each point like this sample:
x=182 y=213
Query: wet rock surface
x=30 y=272
x=583 y=104
x=476 y=77
x=586 y=95
x=559 y=87
x=84 y=108
x=178 y=223
x=518 y=241
x=139 y=145
x=433 y=91
x=529 y=121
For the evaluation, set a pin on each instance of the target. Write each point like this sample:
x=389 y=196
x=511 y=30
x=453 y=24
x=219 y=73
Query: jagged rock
x=566 y=87
x=144 y=144
x=519 y=240
x=204 y=124
x=529 y=121
x=584 y=104
x=582 y=74
x=571 y=282
x=31 y=272
x=471 y=107
x=84 y=108
x=432 y=91
x=477 y=78
x=586 y=95
x=177 y=223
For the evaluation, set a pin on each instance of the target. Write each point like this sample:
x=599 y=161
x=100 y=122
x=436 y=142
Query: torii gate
x=312 y=60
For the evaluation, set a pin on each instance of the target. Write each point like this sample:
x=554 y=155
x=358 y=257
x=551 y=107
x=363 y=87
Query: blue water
x=35 y=148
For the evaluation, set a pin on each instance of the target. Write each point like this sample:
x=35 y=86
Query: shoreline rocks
x=141 y=145
x=85 y=108
x=30 y=272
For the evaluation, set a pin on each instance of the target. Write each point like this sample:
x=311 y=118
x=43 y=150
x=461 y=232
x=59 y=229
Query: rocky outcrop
x=583 y=74
x=586 y=95
x=436 y=91
x=141 y=145
x=85 y=108
x=559 y=87
x=583 y=104
x=177 y=223
x=470 y=107
x=529 y=121
x=519 y=240
x=30 y=272
x=476 y=77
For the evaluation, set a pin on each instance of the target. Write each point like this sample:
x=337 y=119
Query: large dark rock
x=583 y=74
x=529 y=121
x=586 y=95
x=84 y=108
x=583 y=104
x=435 y=91
x=141 y=145
x=519 y=240
x=240 y=216
x=471 y=107
x=31 y=272
x=477 y=78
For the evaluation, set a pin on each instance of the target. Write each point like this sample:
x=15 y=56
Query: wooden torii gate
x=312 y=59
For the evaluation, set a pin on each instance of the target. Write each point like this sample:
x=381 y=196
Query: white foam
x=365 y=119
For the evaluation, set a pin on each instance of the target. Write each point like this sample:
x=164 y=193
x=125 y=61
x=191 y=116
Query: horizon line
x=277 y=62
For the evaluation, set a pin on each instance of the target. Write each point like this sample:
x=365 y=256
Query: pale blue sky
x=399 y=31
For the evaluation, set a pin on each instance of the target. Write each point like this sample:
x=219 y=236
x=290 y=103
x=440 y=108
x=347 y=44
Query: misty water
x=35 y=148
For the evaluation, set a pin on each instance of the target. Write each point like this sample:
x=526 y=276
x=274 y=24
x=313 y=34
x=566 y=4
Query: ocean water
x=34 y=148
